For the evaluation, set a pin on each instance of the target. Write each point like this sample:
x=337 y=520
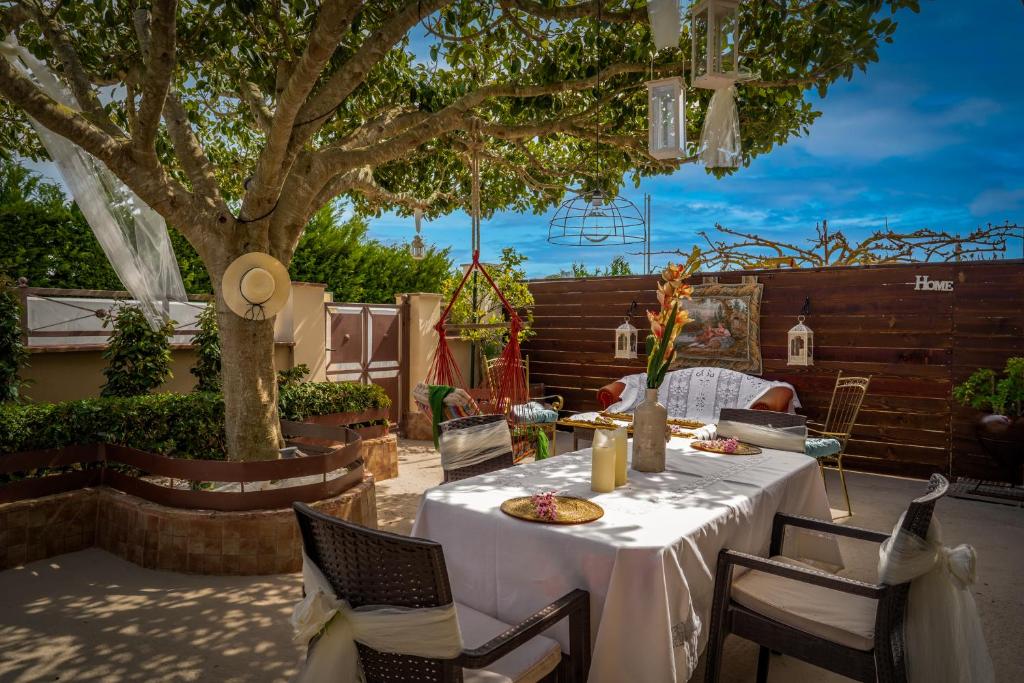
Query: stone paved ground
x=89 y=616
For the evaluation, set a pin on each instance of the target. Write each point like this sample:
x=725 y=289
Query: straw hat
x=256 y=286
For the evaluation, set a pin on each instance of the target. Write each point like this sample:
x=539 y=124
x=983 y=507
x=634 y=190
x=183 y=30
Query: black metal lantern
x=591 y=219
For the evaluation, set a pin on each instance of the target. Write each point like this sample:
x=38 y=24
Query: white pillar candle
x=620 y=438
x=602 y=462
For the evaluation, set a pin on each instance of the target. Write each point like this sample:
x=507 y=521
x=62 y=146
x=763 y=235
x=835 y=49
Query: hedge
x=180 y=425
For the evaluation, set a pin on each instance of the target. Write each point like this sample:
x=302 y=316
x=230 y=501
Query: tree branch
x=190 y=153
x=579 y=10
x=334 y=17
x=157 y=38
x=251 y=94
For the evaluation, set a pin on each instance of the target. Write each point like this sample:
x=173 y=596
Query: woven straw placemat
x=570 y=510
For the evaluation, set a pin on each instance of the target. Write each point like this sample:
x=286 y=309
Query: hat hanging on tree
x=256 y=286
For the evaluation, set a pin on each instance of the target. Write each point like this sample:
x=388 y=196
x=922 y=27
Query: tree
x=207 y=343
x=237 y=121
x=13 y=354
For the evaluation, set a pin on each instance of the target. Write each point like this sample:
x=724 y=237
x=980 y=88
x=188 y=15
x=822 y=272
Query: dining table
x=648 y=562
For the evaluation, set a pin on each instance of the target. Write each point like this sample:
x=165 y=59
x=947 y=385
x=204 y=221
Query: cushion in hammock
x=533 y=413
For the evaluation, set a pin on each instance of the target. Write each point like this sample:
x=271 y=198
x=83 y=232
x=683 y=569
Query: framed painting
x=724 y=330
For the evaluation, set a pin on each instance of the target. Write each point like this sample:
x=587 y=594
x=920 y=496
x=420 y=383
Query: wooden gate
x=364 y=345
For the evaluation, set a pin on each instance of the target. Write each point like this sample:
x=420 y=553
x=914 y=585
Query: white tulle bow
x=427 y=632
x=942 y=629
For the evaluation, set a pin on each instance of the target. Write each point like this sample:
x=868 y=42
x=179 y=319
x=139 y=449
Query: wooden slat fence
x=866 y=320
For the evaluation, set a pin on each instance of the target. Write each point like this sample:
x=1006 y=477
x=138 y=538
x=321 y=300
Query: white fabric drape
x=666 y=22
x=945 y=643
x=471 y=445
x=426 y=632
x=720 y=137
x=132 y=235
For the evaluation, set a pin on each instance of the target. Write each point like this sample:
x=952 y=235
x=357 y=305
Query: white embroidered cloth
x=700 y=393
x=945 y=643
x=472 y=445
x=426 y=632
x=649 y=562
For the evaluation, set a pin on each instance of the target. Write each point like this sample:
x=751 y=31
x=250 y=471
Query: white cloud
x=998 y=200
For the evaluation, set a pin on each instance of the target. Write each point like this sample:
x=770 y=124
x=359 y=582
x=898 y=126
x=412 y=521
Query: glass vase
x=649 y=422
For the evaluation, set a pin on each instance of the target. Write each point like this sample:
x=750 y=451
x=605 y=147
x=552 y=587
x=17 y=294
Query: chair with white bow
x=378 y=607
x=918 y=623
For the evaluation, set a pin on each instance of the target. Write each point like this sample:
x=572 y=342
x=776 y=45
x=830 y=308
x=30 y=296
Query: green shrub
x=12 y=350
x=179 y=425
x=299 y=401
x=138 y=357
x=207 y=343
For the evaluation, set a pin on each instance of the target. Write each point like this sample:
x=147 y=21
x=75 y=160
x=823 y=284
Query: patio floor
x=89 y=616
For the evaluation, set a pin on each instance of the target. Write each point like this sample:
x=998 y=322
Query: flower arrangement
x=545 y=505
x=669 y=320
x=729 y=445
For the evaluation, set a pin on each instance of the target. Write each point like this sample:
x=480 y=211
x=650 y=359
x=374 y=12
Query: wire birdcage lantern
x=592 y=219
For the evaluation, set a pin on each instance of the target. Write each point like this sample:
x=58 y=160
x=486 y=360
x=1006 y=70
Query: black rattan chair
x=864 y=639
x=498 y=462
x=368 y=567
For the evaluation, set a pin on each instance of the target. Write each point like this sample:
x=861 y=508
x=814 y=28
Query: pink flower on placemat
x=729 y=445
x=545 y=505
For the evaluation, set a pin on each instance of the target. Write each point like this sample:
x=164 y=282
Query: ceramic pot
x=1002 y=438
x=650 y=420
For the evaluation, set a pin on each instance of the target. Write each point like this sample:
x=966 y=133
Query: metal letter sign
x=926 y=284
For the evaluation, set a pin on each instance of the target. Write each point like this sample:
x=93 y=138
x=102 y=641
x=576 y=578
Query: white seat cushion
x=840 y=617
x=526 y=664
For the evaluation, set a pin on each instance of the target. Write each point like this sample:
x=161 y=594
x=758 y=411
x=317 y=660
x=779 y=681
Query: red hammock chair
x=508 y=388
x=511 y=382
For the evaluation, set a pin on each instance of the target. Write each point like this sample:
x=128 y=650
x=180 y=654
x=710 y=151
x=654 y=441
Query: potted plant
x=1000 y=428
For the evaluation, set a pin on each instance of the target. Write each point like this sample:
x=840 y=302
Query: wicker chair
x=849 y=627
x=494 y=368
x=498 y=462
x=368 y=567
x=828 y=443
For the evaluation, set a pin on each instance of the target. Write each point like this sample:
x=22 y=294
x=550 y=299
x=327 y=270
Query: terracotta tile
x=196 y=545
x=230 y=564
x=16 y=535
x=213 y=564
x=247 y=565
x=17 y=519
x=265 y=564
x=248 y=545
x=231 y=542
x=16 y=555
x=267 y=541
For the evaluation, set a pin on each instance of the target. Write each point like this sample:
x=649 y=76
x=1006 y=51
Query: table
x=649 y=563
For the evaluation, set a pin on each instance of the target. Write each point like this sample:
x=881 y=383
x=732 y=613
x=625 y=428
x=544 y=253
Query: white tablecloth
x=649 y=563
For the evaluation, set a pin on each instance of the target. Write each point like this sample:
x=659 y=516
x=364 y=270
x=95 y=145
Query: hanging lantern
x=801 y=344
x=666 y=118
x=715 y=40
x=666 y=22
x=416 y=247
x=625 y=341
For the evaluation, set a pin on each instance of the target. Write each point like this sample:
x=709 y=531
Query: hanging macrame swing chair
x=508 y=388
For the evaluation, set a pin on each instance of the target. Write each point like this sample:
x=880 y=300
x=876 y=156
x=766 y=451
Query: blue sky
x=929 y=137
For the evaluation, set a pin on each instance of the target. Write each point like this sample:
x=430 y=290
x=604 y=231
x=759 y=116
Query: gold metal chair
x=832 y=436
x=494 y=367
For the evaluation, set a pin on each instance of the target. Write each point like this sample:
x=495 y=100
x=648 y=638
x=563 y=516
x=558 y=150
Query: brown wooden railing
x=334 y=457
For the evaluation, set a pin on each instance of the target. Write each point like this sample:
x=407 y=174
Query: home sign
x=924 y=283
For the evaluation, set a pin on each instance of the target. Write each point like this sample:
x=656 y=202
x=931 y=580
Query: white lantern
x=715 y=39
x=666 y=118
x=801 y=344
x=416 y=247
x=625 y=341
x=666 y=22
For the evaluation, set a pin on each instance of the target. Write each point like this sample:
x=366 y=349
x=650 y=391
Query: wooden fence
x=916 y=344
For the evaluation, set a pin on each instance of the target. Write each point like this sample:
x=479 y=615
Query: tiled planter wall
x=172 y=539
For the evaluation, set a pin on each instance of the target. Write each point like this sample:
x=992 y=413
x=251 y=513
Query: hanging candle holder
x=715 y=44
x=666 y=118
x=801 y=344
x=417 y=248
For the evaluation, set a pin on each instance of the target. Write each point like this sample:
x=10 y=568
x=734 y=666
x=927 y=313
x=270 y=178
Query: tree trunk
x=250 y=385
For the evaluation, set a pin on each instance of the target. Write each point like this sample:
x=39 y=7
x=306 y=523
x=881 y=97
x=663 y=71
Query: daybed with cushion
x=700 y=393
